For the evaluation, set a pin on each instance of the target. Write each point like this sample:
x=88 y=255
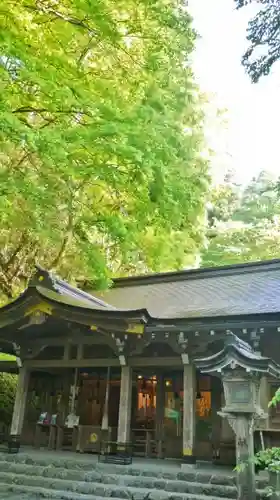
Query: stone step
x=104 y=490
x=149 y=470
x=55 y=475
x=49 y=474
x=83 y=463
x=18 y=492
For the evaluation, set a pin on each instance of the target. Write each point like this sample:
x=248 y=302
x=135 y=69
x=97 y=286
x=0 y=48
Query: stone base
x=188 y=461
x=13 y=444
x=124 y=449
x=115 y=453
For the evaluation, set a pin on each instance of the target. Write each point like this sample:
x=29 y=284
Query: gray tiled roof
x=236 y=290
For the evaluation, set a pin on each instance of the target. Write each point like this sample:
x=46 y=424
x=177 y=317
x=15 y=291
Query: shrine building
x=119 y=367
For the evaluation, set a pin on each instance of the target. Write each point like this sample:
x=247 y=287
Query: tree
x=259 y=200
x=101 y=166
x=264 y=37
x=8 y=383
x=224 y=199
x=248 y=228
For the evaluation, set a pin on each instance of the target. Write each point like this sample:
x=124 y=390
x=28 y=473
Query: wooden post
x=73 y=395
x=125 y=408
x=160 y=409
x=216 y=420
x=105 y=415
x=189 y=417
x=265 y=398
x=20 y=402
x=148 y=444
x=63 y=410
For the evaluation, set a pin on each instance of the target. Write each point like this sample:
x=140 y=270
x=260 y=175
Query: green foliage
x=259 y=201
x=8 y=384
x=7 y=392
x=246 y=223
x=101 y=170
x=224 y=200
x=263 y=35
x=268 y=458
x=276 y=398
x=238 y=243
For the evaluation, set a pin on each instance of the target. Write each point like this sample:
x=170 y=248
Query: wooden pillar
x=63 y=409
x=189 y=417
x=105 y=410
x=73 y=392
x=125 y=408
x=265 y=397
x=20 y=401
x=160 y=409
x=216 y=420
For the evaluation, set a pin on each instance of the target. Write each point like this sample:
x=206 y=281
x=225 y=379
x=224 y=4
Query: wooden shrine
x=119 y=367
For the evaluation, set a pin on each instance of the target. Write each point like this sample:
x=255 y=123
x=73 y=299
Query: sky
x=249 y=138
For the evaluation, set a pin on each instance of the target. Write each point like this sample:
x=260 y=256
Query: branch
x=65 y=241
x=18 y=249
x=71 y=20
x=48 y=122
x=30 y=109
x=85 y=51
x=5 y=285
x=24 y=157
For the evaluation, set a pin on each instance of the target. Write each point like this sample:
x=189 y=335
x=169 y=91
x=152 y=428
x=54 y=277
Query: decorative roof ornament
x=42 y=278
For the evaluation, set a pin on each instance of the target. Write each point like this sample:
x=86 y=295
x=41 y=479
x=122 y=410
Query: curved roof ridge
x=197 y=273
x=63 y=288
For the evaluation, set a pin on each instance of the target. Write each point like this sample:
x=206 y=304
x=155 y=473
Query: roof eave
x=233 y=353
x=138 y=314
x=217 y=322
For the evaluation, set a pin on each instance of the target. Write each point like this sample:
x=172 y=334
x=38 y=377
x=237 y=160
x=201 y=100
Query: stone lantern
x=241 y=371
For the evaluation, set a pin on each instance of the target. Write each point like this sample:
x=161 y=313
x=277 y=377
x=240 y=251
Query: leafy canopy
x=243 y=223
x=264 y=37
x=101 y=164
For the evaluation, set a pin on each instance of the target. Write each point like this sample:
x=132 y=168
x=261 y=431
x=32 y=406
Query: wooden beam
x=102 y=362
x=55 y=341
x=71 y=363
x=162 y=361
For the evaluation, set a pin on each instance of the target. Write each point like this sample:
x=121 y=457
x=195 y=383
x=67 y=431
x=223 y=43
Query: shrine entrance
x=156 y=423
x=157 y=414
x=204 y=417
x=156 y=410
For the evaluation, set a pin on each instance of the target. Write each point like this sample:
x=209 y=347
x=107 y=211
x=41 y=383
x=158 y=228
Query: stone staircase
x=25 y=477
